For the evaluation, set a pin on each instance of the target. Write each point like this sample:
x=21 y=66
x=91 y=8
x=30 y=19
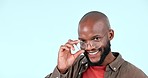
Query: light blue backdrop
x=31 y=32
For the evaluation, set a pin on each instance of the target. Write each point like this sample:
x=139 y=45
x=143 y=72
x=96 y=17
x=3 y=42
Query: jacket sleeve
x=57 y=74
x=71 y=72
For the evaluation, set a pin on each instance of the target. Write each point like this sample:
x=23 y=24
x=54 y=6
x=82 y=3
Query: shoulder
x=132 y=71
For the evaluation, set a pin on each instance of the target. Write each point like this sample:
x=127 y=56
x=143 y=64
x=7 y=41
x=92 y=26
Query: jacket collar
x=114 y=65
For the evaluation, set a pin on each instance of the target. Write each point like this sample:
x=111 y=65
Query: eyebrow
x=91 y=37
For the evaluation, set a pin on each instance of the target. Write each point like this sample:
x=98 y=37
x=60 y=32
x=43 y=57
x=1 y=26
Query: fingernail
x=83 y=51
x=78 y=40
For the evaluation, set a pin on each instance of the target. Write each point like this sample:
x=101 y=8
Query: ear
x=111 y=34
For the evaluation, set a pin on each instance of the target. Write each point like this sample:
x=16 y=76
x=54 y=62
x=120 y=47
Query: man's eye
x=97 y=38
x=82 y=41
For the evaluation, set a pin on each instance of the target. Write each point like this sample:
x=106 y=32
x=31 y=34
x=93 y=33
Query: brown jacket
x=119 y=68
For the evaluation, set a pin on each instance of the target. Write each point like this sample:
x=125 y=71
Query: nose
x=89 y=46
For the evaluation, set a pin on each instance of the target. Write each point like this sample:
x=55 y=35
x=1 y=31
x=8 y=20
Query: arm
x=65 y=59
x=56 y=74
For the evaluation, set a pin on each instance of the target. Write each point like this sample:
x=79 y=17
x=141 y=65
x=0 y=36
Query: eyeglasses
x=94 y=41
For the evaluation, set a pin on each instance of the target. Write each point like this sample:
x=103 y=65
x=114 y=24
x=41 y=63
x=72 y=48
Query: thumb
x=78 y=53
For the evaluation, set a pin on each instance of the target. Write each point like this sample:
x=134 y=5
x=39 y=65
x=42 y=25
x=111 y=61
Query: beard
x=106 y=51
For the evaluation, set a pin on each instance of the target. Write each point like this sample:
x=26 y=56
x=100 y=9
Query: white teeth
x=92 y=53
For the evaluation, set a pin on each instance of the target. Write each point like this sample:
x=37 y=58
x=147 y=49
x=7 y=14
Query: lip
x=93 y=54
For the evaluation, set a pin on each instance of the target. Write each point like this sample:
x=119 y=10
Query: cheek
x=104 y=42
x=100 y=45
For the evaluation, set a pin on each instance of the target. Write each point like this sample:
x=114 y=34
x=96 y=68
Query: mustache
x=105 y=51
x=99 y=49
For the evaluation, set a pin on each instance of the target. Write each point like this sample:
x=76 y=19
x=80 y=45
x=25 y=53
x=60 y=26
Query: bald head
x=94 y=22
x=95 y=34
x=93 y=17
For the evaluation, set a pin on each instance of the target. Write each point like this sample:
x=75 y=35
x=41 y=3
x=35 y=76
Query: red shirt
x=94 y=72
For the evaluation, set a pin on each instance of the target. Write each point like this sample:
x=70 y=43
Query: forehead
x=90 y=28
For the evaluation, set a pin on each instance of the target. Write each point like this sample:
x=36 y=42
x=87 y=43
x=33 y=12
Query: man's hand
x=65 y=57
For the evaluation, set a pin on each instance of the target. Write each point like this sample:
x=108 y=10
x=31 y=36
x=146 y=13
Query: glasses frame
x=84 y=44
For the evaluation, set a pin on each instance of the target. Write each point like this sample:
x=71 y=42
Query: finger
x=73 y=41
x=70 y=46
x=62 y=48
x=78 y=53
x=77 y=41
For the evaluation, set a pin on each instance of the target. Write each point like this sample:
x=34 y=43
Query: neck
x=109 y=58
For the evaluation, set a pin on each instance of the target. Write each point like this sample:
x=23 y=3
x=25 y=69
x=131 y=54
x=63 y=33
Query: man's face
x=94 y=39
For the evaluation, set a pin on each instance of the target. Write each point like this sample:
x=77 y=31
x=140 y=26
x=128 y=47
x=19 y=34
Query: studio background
x=31 y=32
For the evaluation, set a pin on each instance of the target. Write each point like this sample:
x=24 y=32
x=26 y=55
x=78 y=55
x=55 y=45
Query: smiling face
x=94 y=35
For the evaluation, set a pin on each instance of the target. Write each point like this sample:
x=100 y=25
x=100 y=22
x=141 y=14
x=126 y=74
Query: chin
x=94 y=60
